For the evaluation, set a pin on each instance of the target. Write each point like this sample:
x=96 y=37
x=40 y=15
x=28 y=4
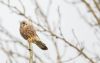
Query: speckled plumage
x=28 y=32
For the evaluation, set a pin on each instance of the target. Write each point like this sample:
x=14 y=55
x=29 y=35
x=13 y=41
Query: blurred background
x=69 y=28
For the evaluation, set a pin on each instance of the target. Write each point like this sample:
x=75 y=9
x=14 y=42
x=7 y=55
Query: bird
x=28 y=32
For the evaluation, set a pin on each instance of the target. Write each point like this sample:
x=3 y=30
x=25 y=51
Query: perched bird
x=29 y=33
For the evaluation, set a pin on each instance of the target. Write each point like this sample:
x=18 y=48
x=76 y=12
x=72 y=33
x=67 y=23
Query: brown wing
x=28 y=31
x=23 y=33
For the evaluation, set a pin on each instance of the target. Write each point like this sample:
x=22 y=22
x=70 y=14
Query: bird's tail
x=41 y=45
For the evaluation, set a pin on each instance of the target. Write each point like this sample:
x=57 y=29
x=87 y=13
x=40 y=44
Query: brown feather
x=28 y=32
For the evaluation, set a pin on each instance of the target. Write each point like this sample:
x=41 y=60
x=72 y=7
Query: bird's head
x=23 y=23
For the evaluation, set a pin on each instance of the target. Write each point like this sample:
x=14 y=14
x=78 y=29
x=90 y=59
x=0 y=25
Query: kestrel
x=29 y=33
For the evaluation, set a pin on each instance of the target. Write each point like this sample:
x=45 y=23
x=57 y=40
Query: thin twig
x=97 y=5
x=31 y=53
x=92 y=11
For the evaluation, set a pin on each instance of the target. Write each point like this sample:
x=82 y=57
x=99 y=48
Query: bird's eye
x=23 y=22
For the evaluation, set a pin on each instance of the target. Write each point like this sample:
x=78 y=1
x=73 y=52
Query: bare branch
x=91 y=10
